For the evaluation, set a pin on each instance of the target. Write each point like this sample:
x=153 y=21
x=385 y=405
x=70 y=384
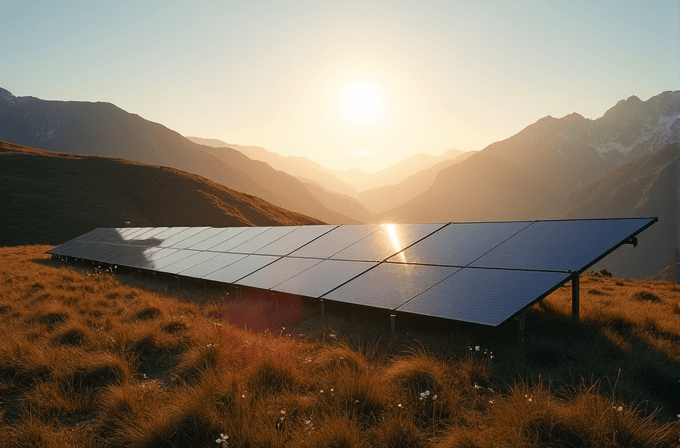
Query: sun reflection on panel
x=394 y=238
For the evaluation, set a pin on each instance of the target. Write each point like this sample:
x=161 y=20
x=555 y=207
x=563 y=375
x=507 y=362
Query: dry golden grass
x=89 y=358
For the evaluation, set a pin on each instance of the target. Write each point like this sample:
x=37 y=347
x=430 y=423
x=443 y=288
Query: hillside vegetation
x=94 y=358
x=51 y=197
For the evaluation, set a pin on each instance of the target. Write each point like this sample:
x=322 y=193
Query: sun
x=361 y=102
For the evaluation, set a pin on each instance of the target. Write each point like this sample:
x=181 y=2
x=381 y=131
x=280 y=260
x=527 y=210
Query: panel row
x=475 y=272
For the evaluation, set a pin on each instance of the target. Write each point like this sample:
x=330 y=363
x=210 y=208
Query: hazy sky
x=439 y=75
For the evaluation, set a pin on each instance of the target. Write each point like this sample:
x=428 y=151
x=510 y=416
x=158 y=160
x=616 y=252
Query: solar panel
x=388 y=285
x=147 y=258
x=387 y=240
x=277 y=272
x=181 y=254
x=459 y=244
x=294 y=240
x=72 y=244
x=147 y=237
x=334 y=241
x=167 y=233
x=323 y=277
x=219 y=237
x=121 y=254
x=188 y=242
x=561 y=245
x=109 y=236
x=484 y=296
x=475 y=272
x=210 y=265
x=181 y=236
x=261 y=240
x=235 y=271
x=190 y=262
x=240 y=238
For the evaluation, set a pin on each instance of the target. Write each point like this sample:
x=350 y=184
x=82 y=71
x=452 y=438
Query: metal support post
x=393 y=323
x=575 y=298
x=323 y=309
x=520 y=333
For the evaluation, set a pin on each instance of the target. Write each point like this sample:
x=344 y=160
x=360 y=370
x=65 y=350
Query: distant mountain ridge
x=49 y=197
x=106 y=130
x=531 y=174
x=300 y=167
x=393 y=174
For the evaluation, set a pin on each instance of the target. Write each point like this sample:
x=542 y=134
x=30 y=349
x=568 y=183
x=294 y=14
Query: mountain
x=531 y=174
x=49 y=197
x=341 y=203
x=300 y=167
x=643 y=187
x=394 y=174
x=380 y=200
x=325 y=187
x=105 y=130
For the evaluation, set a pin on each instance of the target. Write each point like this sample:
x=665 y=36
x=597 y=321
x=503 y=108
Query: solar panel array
x=483 y=273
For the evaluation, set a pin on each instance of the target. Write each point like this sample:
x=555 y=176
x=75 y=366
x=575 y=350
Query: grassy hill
x=91 y=358
x=51 y=197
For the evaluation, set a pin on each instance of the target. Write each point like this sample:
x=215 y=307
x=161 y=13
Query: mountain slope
x=647 y=186
x=49 y=197
x=380 y=200
x=106 y=130
x=343 y=204
x=531 y=174
x=300 y=167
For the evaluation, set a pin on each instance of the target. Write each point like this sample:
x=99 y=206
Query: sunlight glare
x=394 y=238
x=361 y=102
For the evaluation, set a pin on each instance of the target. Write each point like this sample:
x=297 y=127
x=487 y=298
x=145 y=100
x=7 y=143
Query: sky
x=284 y=75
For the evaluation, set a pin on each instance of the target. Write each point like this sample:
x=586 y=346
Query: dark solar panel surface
x=323 y=277
x=241 y=237
x=261 y=240
x=294 y=240
x=277 y=272
x=334 y=241
x=484 y=296
x=245 y=266
x=389 y=285
x=560 y=245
